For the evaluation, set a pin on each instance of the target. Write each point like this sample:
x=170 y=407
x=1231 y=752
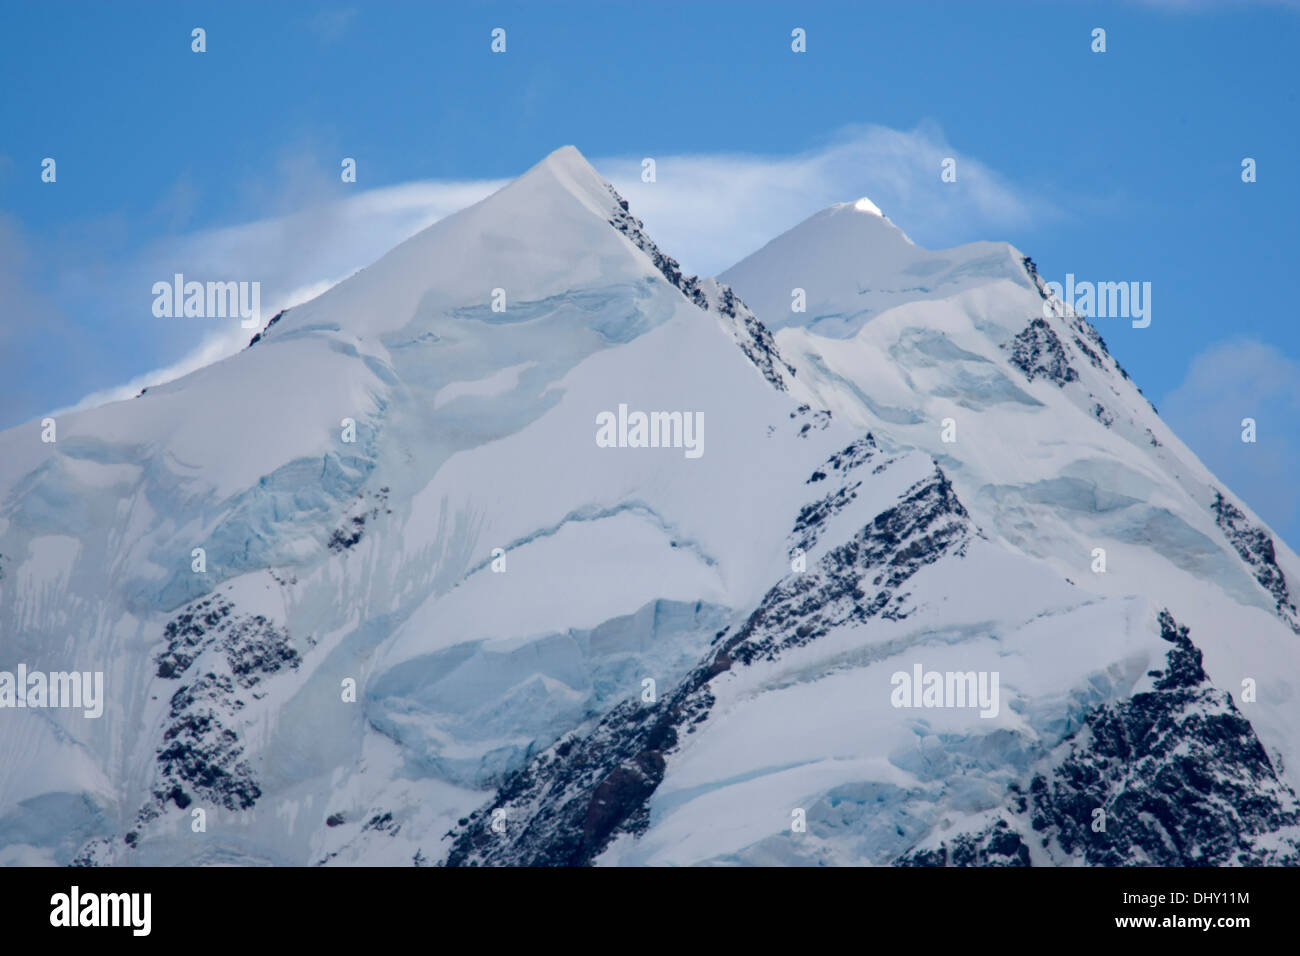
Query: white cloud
x=214 y=347
x=295 y=257
x=708 y=211
x=1226 y=383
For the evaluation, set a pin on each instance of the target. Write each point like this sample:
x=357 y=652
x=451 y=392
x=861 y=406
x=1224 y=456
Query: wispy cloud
x=707 y=210
x=295 y=257
x=711 y=210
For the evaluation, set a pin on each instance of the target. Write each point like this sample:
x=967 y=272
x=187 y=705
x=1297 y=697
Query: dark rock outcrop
x=567 y=805
x=1255 y=546
x=1174 y=776
x=753 y=337
x=1037 y=351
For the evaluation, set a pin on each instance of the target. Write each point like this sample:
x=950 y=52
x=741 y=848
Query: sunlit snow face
x=866 y=205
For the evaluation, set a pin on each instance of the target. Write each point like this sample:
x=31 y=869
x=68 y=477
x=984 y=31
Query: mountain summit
x=521 y=546
x=854 y=263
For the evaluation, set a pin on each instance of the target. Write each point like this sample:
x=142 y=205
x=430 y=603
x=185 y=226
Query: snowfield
x=475 y=636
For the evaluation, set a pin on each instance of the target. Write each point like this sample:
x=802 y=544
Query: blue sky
x=1116 y=166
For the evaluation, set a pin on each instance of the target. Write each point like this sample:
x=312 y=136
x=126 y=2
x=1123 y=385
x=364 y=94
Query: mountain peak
x=547 y=231
x=568 y=168
x=861 y=216
x=563 y=156
x=863 y=205
x=339 y=501
x=853 y=263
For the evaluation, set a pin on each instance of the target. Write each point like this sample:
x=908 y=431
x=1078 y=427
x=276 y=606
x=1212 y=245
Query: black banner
x=181 y=907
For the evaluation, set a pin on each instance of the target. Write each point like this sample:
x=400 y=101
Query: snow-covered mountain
x=499 y=627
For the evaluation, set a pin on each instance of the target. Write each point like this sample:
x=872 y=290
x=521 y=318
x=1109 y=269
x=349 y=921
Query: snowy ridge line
x=812 y=517
x=1173 y=776
x=262 y=334
x=927 y=522
x=1080 y=326
x=1037 y=351
x=753 y=337
x=1255 y=546
x=566 y=806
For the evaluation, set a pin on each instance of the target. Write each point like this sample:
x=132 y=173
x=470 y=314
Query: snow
x=866 y=205
x=854 y=266
x=785 y=734
x=476 y=431
x=495 y=384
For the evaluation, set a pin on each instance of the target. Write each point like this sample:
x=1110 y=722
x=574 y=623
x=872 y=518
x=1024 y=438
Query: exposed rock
x=1174 y=776
x=258 y=337
x=753 y=337
x=1255 y=546
x=1179 y=773
x=565 y=807
x=201 y=757
x=1037 y=351
x=997 y=845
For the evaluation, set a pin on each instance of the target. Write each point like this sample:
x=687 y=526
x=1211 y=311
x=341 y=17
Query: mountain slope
x=492 y=630
x=371 y=561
